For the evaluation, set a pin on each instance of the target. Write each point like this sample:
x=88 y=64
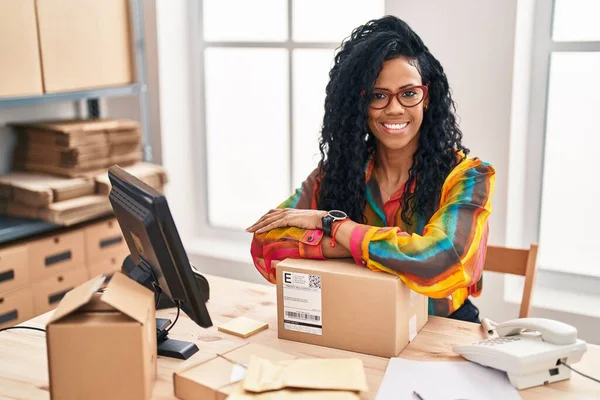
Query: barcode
x=314 y=281
x=301 y=315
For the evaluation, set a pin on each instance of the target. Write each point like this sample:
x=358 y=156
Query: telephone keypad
x=499 y=340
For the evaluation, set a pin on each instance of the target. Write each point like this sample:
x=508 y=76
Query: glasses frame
x=425 y=89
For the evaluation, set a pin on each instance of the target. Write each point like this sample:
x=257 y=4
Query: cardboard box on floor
x=335 y=303
x=103 y=346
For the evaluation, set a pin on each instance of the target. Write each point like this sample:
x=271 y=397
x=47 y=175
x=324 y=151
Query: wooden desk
x=24 y=375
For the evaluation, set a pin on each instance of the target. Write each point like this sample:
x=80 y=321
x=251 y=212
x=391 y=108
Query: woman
x=410 y=201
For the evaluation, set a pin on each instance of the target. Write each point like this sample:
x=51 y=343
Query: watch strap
x=327 y=221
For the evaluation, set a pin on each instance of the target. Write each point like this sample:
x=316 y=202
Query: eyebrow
x=401 y=87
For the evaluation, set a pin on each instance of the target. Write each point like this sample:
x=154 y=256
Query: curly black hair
x=346 y=141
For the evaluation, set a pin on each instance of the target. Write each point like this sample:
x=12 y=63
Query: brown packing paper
x=333 y=374
x=243 y=327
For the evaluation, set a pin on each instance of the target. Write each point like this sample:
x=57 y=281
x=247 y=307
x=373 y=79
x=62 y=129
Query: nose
x=394 y=108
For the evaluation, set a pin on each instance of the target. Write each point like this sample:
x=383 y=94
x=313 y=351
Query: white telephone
x=529 y=358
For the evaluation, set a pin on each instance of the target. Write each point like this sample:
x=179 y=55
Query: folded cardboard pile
x=76 y=148
x=66 y=201
x=255 y=372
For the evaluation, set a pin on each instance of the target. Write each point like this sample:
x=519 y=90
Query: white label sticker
x=412 y=328
x=238 y=372
x=302 y=303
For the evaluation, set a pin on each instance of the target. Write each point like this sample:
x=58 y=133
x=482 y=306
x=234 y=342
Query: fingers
x=266 y=222
x=271 y=212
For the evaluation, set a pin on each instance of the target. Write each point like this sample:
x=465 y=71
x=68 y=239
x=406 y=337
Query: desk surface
x=24 y=375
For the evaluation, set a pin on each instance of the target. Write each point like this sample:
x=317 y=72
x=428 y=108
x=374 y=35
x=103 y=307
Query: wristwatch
x=328 y=220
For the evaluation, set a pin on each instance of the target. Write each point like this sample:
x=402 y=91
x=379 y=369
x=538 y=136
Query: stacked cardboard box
x=66 y=201
x=76 y=148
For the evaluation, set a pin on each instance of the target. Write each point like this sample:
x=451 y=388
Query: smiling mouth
x=395 y=127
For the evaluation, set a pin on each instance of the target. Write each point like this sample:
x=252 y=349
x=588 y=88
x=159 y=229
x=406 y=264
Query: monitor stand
x=165 y=347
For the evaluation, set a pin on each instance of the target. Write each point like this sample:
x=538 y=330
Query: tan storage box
x=84 y=43
x=56 y=254
x=16 y=307
x=48 y=293
x=103 y=241
x=336 y=303
x=14 y=268
x=106 y=267
x=19 y=52
x=103 y=346
x=221 y=376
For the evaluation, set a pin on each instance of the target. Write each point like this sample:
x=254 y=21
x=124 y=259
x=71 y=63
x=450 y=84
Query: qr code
x=314 y=281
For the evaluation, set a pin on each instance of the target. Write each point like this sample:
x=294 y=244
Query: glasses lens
x=410 y=97
x=379 y=99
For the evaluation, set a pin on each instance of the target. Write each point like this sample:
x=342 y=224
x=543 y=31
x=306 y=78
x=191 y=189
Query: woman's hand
x=288 y=217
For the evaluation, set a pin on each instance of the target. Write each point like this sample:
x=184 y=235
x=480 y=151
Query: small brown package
x=335 y=303
x=103 y=346
x=220 y=376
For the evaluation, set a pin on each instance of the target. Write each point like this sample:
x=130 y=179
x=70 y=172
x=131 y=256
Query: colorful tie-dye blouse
x=441 y=258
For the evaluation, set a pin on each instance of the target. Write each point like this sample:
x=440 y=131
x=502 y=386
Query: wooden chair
x=517 y=262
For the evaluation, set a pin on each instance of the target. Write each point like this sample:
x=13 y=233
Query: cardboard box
x=220 y=376
x=103 y=346
x=39 y=190
x=151 y=174
x=14 y=268
x=56 y=254
x=84 y=44
x=104 y=240
x=16 y=307
x=335 y=303
x=49 y=292
x=19 y=52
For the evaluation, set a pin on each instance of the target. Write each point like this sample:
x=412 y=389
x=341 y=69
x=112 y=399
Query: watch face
x=338 y=214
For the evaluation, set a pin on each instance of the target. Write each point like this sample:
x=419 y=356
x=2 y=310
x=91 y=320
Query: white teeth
x=396 y=126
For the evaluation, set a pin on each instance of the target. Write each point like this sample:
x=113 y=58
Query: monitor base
x=170 y=347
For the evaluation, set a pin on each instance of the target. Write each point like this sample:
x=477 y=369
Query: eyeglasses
x=408 y=97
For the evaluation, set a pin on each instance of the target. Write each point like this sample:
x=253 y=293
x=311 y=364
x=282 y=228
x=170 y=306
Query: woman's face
x=395 y=126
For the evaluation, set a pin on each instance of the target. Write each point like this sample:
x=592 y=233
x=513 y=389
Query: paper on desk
x=444 y=380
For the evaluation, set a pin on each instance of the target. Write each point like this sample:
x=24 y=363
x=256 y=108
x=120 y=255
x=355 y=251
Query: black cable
x=580 y=373
x=176 y=317
x=23 y=327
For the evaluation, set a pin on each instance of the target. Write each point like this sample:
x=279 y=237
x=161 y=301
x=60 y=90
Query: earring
x=425 y=107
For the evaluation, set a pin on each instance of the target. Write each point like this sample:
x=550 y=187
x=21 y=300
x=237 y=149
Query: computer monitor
x=156 y=248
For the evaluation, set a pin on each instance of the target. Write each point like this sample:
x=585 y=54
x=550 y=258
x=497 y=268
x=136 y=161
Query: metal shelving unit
x=11 y=228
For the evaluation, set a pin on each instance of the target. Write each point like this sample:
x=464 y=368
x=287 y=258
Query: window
x=261 y=133
x=568 y=84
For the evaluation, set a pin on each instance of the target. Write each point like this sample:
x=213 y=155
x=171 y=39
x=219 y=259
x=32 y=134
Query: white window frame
x=206 y=239
x=555 y=290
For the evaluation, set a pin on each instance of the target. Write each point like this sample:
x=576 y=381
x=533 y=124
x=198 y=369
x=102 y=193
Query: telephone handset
x=551 y=331
x=530 y=350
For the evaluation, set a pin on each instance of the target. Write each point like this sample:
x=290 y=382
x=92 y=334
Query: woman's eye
x=409 y=93
x=379 y=96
